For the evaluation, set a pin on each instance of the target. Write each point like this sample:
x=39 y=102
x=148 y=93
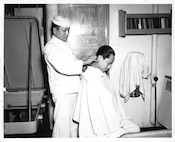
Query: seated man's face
x=105 y=64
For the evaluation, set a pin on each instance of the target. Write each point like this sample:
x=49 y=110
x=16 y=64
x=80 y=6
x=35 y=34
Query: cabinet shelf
x=144 y=24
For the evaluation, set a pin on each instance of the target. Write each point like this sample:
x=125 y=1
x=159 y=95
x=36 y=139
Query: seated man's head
x=105 y=58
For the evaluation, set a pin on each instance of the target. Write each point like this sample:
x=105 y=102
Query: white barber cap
x=61 y=21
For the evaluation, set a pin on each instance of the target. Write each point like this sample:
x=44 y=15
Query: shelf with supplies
x=144 y=24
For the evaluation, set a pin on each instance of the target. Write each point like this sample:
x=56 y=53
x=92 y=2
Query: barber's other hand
x=89 y=60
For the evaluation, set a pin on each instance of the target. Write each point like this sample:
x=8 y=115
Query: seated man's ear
x=100 y=57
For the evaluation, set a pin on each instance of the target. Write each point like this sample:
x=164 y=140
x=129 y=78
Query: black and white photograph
x=87 y=70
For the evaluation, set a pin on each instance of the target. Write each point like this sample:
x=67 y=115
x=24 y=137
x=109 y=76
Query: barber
x=64 y=72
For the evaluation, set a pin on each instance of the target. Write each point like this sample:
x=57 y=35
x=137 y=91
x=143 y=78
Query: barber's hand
x=89 y=60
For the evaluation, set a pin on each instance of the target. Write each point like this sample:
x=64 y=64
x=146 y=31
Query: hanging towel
x=133 y=71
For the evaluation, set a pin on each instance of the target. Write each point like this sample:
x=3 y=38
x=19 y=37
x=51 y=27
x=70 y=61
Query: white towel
x=133 y=71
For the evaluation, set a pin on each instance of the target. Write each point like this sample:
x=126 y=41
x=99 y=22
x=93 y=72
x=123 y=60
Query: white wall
x=140 y=111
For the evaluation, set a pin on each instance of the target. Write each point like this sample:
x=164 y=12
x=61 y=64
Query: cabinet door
x=89 y=29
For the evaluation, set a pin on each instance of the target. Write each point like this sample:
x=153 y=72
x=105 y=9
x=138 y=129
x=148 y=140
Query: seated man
x=98 y=109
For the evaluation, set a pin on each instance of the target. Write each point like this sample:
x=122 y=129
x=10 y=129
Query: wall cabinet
x=144 y=24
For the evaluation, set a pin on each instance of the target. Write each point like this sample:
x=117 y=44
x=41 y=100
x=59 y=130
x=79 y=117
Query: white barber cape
x=133 y=71
x=63 y=68
x=98 y=110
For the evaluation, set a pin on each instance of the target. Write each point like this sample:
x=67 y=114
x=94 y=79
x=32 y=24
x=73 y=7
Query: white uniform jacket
x=63 y=68
x=98 y=109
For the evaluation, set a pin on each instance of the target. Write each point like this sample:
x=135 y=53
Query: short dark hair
x=105 y=51
x=54 y=26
